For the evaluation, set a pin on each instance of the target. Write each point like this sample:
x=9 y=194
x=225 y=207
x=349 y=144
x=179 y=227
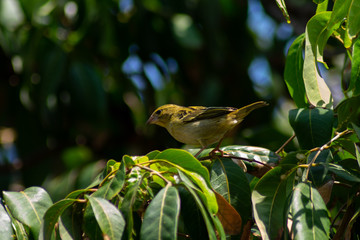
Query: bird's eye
x=158 y=112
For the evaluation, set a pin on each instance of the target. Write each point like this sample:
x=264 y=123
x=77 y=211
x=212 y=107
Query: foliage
x=243 y=191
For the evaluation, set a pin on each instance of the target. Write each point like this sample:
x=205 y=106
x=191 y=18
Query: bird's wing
x=200 y=113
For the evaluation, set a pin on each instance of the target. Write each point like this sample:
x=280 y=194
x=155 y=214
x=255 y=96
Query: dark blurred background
x=78 y=79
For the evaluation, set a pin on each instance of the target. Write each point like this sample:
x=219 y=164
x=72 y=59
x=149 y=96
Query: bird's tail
x=241 y=113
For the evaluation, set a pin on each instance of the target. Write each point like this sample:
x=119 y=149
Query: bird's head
x=162 y=115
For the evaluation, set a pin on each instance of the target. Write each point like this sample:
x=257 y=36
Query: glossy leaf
x=185 y=160
x=188 y=164
x=91 y=227
x=229 y=180
x=6 y=230
x=343 y=173
x=113 y=186
x=269 y=198
x=348 y=112
x=29 y=207
x=318 y=174
x=354 y=85
x=109 y=218
x=70 y=226
x=353 y=21
x=313 y=127
x=282 y=6
x=321 y=5
x=293 y=73
x=204 y=212
x=250 y=152
x=161 y=216
x=52 y=215
x=191 y=221
x=317 y=91
x=20 y=230
x=127 y=207
x=310 y=216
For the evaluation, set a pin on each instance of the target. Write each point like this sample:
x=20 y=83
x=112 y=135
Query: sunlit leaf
x=321 y=5
x=269 y=197
x=109 y=218
x=6 y=230
x=188 y=164
x=317 y=91
x=354 y=85
x=127 y=207
x=113 y=186
x=29 y=207
x=205 y=214
x=161 y=216
x=293 y=73
x=310 y=216
x=282 y=6
x=353 y=21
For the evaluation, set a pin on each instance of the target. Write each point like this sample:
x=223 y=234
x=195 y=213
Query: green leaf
x=322 y=5
x=185 y=160
x=52 y=215
x=152 y=155
x=70 y=223
x=250 y=152
x=188 y=164
x=293 y=73
x=313 y=127
x=282 y=6
x=20 y=230
x=354 y=85
x=29 y=207
x=91 y=227
x=204 y=212
x=127 y=206
x=229 y=180
x=269 y=199
x=318 y=174
x=342 y=173
x=110 y=220
x=318 y=1
x=317 y=91
x=353 y=21
x=310 y=216
x=161 y=216
x=6 y=230
x=113 y=186
x=348 y=112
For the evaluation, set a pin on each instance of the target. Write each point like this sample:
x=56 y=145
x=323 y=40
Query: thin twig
x=322 y=148
x=286 y=143
x=239 y=158
x=154 y=172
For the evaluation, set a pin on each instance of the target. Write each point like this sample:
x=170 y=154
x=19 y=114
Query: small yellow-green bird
x=198 y=125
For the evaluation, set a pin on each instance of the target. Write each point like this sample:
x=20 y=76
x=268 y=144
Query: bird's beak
x=150 y=120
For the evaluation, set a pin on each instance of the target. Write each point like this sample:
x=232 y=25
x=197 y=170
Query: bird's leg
x=198 y=153
x=217 y=150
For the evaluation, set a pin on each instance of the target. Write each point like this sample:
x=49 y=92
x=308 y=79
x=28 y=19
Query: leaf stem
x=154 y=172
x=286 y=143
x=322 y=148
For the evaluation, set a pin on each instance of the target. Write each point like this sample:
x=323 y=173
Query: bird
x=198 y=125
